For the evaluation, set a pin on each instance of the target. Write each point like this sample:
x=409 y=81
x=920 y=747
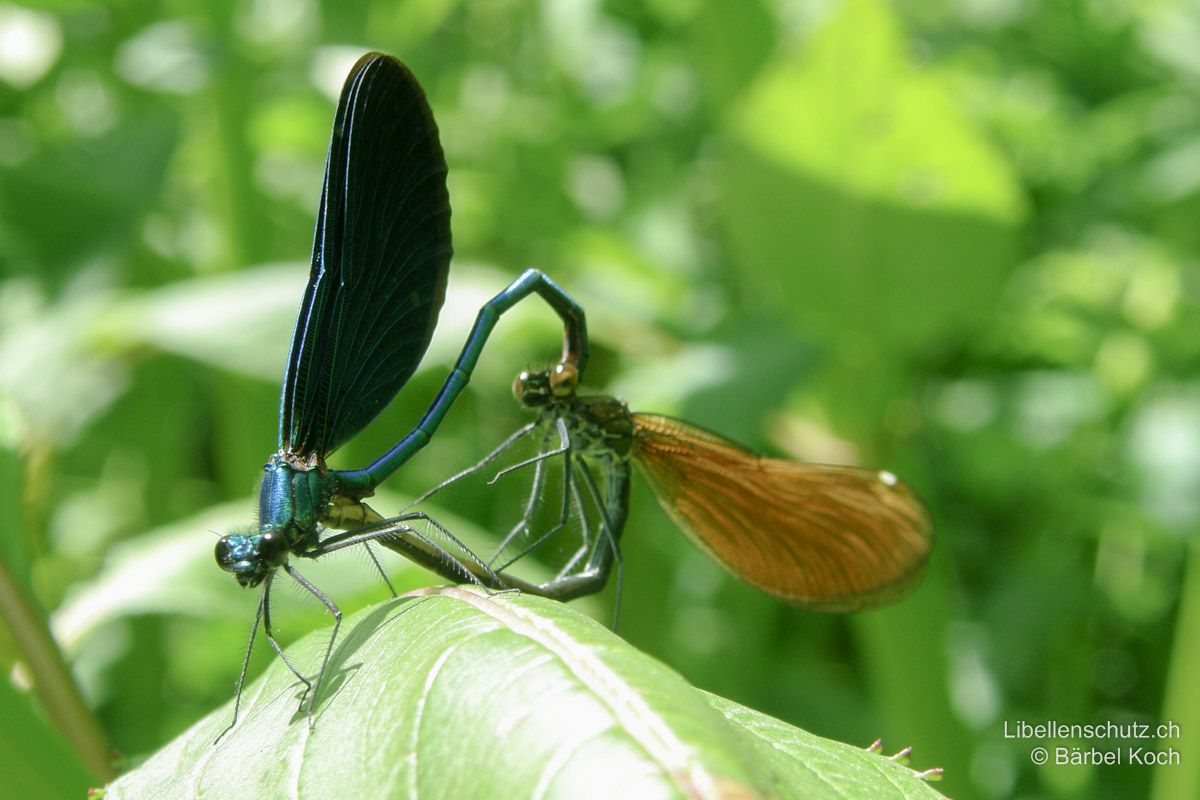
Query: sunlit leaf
x=455 y=694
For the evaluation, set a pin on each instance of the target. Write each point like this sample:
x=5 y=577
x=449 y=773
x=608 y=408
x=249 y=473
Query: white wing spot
x=888 y=478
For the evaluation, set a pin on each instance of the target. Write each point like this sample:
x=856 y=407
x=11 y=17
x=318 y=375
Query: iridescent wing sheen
x=830 y=538
x=379 y=264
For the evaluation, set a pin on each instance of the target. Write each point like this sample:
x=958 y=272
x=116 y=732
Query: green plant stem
x=1181 y=703
x=52 y=680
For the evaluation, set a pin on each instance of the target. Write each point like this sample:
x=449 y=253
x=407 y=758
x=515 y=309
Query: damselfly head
x=251 y=556
x=544 y=387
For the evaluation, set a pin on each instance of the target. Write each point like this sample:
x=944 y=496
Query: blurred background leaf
x=957 y=241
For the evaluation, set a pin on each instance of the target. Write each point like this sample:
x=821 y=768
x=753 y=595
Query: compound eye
x=563 y=379
x=521 y=385
x=273 y=548
x=229 y=553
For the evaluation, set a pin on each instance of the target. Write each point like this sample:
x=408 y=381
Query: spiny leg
x=540 y=457
x=337 y=623
x=571 y=495
x=346 y=513
x=611 y=535
x=503 y=447
x=275 y=645
x=609 y=529
x=395 y=534
x=585 y=532
x=241 y=681
x=565 y=450
x=444 y=531
x=531 y=505
x=604 y=552
x=379 y=567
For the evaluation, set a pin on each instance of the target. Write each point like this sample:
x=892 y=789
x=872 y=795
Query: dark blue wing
x=379 y=263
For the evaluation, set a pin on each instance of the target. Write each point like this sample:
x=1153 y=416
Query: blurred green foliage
x=958 y=241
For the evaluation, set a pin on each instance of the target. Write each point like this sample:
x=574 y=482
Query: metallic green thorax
x=295 y=500
x=602 y=424
x=294 y=503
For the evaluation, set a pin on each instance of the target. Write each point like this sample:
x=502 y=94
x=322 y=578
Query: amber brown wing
x=830 y=538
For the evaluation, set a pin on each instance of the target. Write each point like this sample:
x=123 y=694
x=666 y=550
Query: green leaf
x=453 y=693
